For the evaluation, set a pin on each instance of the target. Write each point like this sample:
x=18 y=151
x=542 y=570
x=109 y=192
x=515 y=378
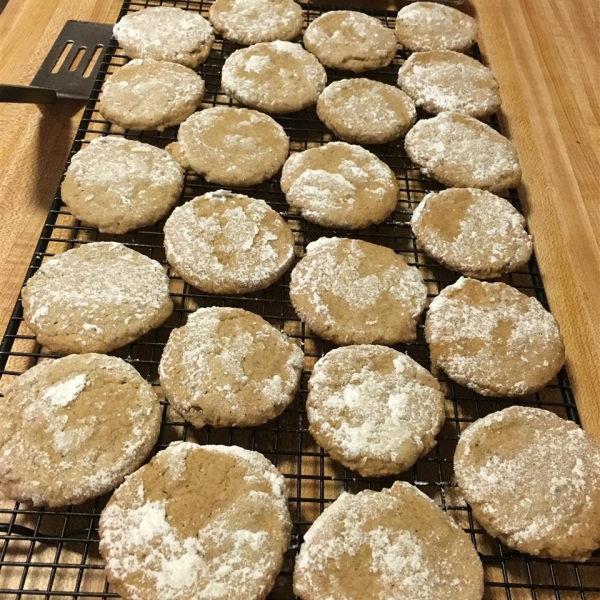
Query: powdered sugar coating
x=165 y=33
x=446 y=80
x=390 y=545
x=72 y=428
x=276 y=77
x=460 y=151
x=229 y=368
x=533 y=480
x=95 y=298
x=228 y=243
x=493 y=339
x=373 y=409
x=354 y=292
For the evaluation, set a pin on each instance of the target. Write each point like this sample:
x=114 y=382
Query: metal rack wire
x=54 y=553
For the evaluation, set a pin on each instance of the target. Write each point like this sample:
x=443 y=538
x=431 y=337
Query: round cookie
x=446 y=80
x=225 y=243
x=354 y=292
x=119 y=185
x=340 y=185
x=228 y=367
x=394 y=544
x=165 y=33
x=95 y=298
x=461 y=151
x=231 y=146
x=351 y=41
x=150 y=94
x=423 y=26
x=533 y=480
x=197 y=522
x=364 y=111
x=472 y=231
x=71 y=429
x=493 y=339
x=253 y=21
x=275 y=77
x=373 y=409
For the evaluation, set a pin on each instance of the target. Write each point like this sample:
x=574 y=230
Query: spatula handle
x=27 y=94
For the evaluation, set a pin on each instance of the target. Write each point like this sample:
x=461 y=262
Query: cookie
x=390 y=545
x=225 y=243
x=365 y=111
x=275 y=77
x=340 y=185
x=493 y=339
x=95 y=298
x=119 y=185
x=150 y=94
x=354 y=292
x=533 y=480
x=350 y=41
x=71 y=429
x=373 y=409
x=472 y=231
x=197 y=522
x=461 y=151
x=447 y=80
x=165 y=33
x=228 y=367
x=231 y=146
x=423 y=26
x=253 y=21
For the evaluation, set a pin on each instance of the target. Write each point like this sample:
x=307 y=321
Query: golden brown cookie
x=390 y=545
x=354 y=292
x=197 y=523
x=461 y=151
x=340 y=185
x=351 y=41
x=364 y=111
x=373 y=409
x=472 y=231
x=225 y=243
x=71 y=429
x=493 y=339
x=228 y=367
x=533 y=480
x=95 y=298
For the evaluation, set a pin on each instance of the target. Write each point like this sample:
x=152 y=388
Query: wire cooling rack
x=54 y=553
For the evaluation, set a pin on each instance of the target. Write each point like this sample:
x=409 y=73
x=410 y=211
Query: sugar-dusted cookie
x=493 y=339
x=472 y=231
x=231 y=146
x=461 y=151
x=276 y=77
x=197 y=522
x=228 y=367
x=364 y=111
x=374 y=409
x=447 y=80
x=118 y=185
x=394 y=545
x=254 y=21
x=165 y=33
x=225 y=243
x=351 y=41
x=71 y=429
x=340 y=185
x=422 y=26
x=150 y=94
x=533 y=480
x=95 y=298
x=354 y=292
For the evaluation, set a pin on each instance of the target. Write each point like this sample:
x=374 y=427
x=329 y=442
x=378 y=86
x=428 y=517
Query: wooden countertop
x=546 y=59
